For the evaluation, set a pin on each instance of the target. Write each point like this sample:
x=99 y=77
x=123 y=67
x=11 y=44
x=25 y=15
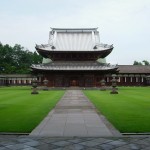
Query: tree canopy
x=17 y=59
x=144 y=62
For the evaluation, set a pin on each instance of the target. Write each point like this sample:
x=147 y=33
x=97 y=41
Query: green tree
x=146 y=63
x=137 y=63
x=17 y=59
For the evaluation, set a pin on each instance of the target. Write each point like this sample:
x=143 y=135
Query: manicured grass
x=129 y=111
x=20 y=111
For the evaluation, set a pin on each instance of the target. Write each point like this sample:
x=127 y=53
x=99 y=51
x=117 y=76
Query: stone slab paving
x=74 y=116
x=13 y=142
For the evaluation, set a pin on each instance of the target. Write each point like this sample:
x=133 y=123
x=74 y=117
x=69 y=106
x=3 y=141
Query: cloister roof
x=133 y=69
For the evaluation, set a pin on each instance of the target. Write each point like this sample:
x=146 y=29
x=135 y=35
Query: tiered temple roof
x=85 y=42
x=86 y=39
x=74 y=49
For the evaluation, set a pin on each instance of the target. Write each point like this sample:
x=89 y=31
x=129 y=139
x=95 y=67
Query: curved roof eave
x=74 y=68
x=46 y=53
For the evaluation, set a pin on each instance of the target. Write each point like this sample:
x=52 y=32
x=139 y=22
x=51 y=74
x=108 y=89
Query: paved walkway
x=74 y=115
x=76 y=143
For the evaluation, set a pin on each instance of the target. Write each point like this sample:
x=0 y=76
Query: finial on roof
x=95 y=47
x=53 y=47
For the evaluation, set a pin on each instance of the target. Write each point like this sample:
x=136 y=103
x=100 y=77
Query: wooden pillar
x=142 y=79
x=107 y=79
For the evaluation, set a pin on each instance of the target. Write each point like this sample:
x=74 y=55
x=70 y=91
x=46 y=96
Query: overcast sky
x=123 y=23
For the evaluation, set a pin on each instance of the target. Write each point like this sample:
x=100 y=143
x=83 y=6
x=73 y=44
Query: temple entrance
x=74 y=82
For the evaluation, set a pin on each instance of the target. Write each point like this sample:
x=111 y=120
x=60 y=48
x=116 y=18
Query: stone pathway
x=76 y=143
x=74 y=116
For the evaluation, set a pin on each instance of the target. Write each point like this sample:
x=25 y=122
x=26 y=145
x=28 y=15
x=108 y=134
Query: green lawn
x=20 y=111
x=129 y=111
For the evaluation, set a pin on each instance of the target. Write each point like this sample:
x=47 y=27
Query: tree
x=146 y=63
x=17 y=59
x=137 y=63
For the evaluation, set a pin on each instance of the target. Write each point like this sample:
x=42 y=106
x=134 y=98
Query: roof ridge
x=74 y=28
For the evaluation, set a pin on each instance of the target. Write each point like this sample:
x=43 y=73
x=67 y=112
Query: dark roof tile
x=134 y=69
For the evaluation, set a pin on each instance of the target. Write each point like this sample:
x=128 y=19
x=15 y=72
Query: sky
x=123 y=23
